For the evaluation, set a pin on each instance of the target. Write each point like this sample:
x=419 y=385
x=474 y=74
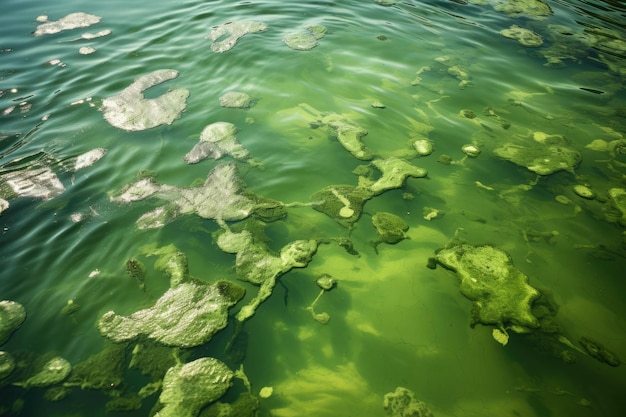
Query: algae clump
x=391 y=229
x=221 y=197
x=12 y=315
x=130 y=110
x=187 y=315
x=500 y=292
x=187 y=388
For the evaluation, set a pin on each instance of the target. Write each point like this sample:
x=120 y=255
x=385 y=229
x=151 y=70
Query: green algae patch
x=545 y=155
x=130 y=110
x=257 y=264
x=34 y=182
x=524 y=36
x=306 y=39
x=12 y=315
x=51 y=373
x=226 y=36
x=236 y=100
x=535 y=9
x=185 y=316
x=342 y=203
x=402 y=402
x=394 y=173
x=71 y=21
x=500 y=292
x=222 y=197
x=217 y=140
x=187 y=388
x=390 y=228
x=349 y=135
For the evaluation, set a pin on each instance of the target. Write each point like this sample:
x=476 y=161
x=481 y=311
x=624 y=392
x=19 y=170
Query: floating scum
x=344 y=203
x=256 y=264
x=221 y=197
x=130 y=110
x=503 y=299
x=225 y=36
x=543 y=155
x=191 y=311
x=188 y=387
x=217 y=140
x=71 y=21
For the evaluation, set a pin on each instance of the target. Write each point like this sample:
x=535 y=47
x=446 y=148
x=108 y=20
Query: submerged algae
x=402 y=403
x=7 y=364
x=102 y=371
x=52 y=372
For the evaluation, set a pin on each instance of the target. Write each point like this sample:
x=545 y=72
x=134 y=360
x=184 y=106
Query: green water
x=394 y=322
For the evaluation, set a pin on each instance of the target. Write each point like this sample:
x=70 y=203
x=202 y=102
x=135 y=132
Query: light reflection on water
x=393 y=321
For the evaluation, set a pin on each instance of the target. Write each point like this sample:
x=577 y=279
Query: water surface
x=394 y=322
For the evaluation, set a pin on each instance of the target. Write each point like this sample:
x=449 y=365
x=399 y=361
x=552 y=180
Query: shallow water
x=394 y=322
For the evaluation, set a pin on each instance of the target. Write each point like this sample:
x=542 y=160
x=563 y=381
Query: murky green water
x=439 y=71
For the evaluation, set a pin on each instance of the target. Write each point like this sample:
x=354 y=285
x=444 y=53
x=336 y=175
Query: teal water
x=394 y=322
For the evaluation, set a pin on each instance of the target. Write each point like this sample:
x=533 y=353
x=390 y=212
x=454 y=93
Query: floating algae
x=326 y=283
x=545 y=155
x=344 y=203
x=12 y=315
x=391 y=229
x=306 y=39
x=130 y=110
x=500 y=292
x=187 y=315
x=258 y=265
x=71 y=21
x=40 y=183
x=217 y=140
x=524 y=36
x=221 y=197
x=187 y=388
x=232 y=32
x=236 y=100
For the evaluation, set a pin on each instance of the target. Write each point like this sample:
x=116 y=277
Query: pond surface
x=506 y=120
